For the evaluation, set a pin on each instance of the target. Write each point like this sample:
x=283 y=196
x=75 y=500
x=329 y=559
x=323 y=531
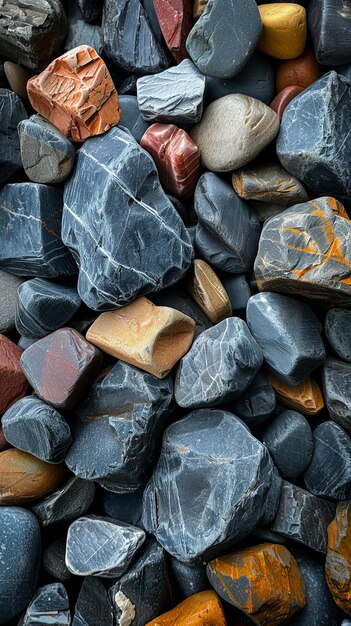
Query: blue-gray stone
x=20 y=560
x=329 y=25
x=329 y=473
x=221 y=363
x=290 y=443
x=30 y=215
x=272 y=500
x=131 y=117
x=145 y=590
x=190 y=577
x=228 y=230
x=345 y=70
x=71 y=500
x=209 y=487
x=256 y=79
x=257 y=403
x=36 y=427
x=12 y=112
x=336 y=377
x=119 y=237
x=173 y=96
x=119 y=424
x=9 y=285
x=127 y=507
x=91 y=9
x=338 y=332
x=177 y=298
x=224 y=37
x=288 y=332
x=101 y=546
x=129 y=39
x=48 y=607
x=93 y=606
x=54 y=560
x=44 y=306
x=80 y=33
x=25 y=341
x=238 y=289
x=314 y=142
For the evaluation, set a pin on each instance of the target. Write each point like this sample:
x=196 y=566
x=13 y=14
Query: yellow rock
x=201 y=609
x=284 y=30
x=209 y=293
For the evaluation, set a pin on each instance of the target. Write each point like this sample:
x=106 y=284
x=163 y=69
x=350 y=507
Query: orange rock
x=306 y=398
x=151 y=337
x=199 y=7
x=283 y=98
x=264 y=581
x=338 y=562
x=302 y=71
x=284 y=29
x=201 y=609
x=76 y=94
x=208 y=292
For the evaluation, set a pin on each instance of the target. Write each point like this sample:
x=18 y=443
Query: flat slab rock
x=12 y=112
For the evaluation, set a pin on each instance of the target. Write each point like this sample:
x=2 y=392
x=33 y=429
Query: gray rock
x=220 y=365
x=337 y=391
x=47 y=155
x=224 y=37
x=257 y=403
x=73 y=499
x=288 y=332
x=204 y=489
x=290 y=443
x=80 y=33
x=190 y=577
x=131 y=117
x=12 y=112
x=93 y=607
x=177 y=298
x=119 y=237
x=9 y=285
x=91 y=9
x=54 y=560
x=101 y=546
x=48 y=607
x=268 y=183
x=237 y=288
x=256 y=79
x=272 y=500
x=175 y=96
x=127 y=507
x=25 y=341
x=329 y=25
x=338 y=332
x=265 y=210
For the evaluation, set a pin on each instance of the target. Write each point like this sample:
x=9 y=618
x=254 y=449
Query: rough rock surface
x=268 y=183
x=80 y=33
x=91 y=9
x=201 y=609
x=12 y=112
x=49 y=603
x=69 y=502
x=306 y=398
x=175 y=19
x=257 y=403
x=9 y=285
x=13 y=383
x=338 y=562
x=290 y=443
x=329 y=24
x=337 y=391
x=131 y=117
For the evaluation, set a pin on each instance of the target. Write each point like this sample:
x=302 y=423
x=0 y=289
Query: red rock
x=13 y=383
x=302 y=71
x=4 y=445
x=176 y=20
x=176 y=156
x=76 y=94
x=283 y=98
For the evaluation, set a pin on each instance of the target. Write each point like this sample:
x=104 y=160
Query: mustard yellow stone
x=201 y=609
x=208 y=292
x=284 y=30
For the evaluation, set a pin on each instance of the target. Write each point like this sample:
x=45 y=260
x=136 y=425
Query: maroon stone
x=176 y=20
x=4 y=445
x=283 y=98
x=13 y=383
x=176 y=156
x=61 y=367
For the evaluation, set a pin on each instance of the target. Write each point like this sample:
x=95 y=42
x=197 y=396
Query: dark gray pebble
x=290 y=443
x=73 y=499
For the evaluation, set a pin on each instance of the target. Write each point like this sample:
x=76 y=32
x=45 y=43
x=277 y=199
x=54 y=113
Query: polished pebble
x=301 y=71
x=201 y=609
x=306 y=398
x=257 y=403
x=290 y=443
x=338 y=332
x=209 y=293
x=13 y=383
x=268 y=183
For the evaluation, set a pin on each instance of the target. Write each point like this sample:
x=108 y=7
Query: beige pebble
x=208 y=292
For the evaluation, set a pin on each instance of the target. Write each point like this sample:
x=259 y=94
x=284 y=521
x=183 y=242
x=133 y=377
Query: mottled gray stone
x=329 y=25
x=80 y=33
x=224 y=37
x=35 y=427
x=257 y=403
x=338 y=332
x=101 y=546
x=175 y=96
x=119 y=424
x=288 y=332
x=93 y=607
x=91 y=9
x=9 y=285
x=177 y=298
x=256 y=79
x=127 y=507
x=47 y=155
x=268 y=183
x=48 y=607
x=290 y=443
x=228 y=230
x=190 y=577
x=237 y=288
x=20 y=560
x=54 y=560
x=119 y=237
x=12 y=112
x=209 y=487
x=73 y=499
x=329 y=473
x=131 y=117
x=336 y=377
x=314 y=142
x=44 y=306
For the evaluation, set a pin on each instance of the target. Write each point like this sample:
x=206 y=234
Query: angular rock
x=54 y=560
x=257 y=403
x=212 y=44
x=237 y=288
x=93 y=607
x=337 y=331
x=306 y=398
x=17 y=77
x=203 y=461
x=31 y=215
x=337 y=391
x=219 y=367
x=175 y=19
x=175 y=95
x=101 y=546
x=284 y=30
x=288 y=333
x=338 y=562
x=190 y=577
x=124 y=416
x=131 y=117
x=228 y=230
x=233 y=131
x=13 y=383
x=177 y=298
x=290 y=443
x=268 y=183
x=9 y=285
x=91 y=9
x=283 y=98
x=49 y=606
x=201 y=609
x=119 y=239
x=73 y=499
x=302 y=71
x=329 y=25
x=12 y=112
x=209 y=293
x=127 y=507
x=80 y=33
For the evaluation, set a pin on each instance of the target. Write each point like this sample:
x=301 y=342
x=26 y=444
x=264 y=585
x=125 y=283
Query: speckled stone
x=337 y=331
x=12 y=112
x=257 y=403
x=290 y=443
x=131 y=117
x=329 y=24
x=54 y=560
x=268 y=183
x=73 y=499
x=190 y=577
x=306 y=398
x=93 y=607
x=337 y=391
x=49 y=606
x=13 y=383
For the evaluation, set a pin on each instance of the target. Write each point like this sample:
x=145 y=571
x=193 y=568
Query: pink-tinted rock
x=175 y=19
x=283 y=98
x=13 y=383
x=176 y=156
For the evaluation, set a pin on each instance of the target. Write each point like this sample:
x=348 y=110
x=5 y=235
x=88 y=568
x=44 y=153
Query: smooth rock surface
x=13 y=383
x=337 y=392
x=54 y=560
x=73 y=499
x=131 y=117
x=208 y=292
x=49 y=605
x=329 y=24
x=338 y=562
x=190 y=577
x=178 y=298
x=80 y=33
x=290 y=443
x=306 y=398
x=268 y=183
x=201 y=609
x=17 y=77
x=337 y=331
x=127 y=507
x=237 y=288
x=93 y=607
x=302 y=71
x=284 y=29
x=283 y=98
x=9 y=285
x=257 y=403
x=91 y=9
x=12 y=112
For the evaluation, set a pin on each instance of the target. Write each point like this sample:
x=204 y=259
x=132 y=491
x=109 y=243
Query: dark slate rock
x=73 y=499
x=228 y=230
x=54 y=560
x=129 y=40
x=329 y=473
x=131 y=117
x=238 y=289
x=329 y=25
x=224 y=37
x=175 y=96
x=338 y=332
x=129 y=86
x=288 y=332
x=272 y=500
x=337 y=391
x=257 y=403
x=127 y=507
x=317 y=150
x=35 y=427
x=25 y=341
x=221 y=363
x=190 y=577
x=9 y=285
x=303 y=517
x=264 y=534
x=345 y=70
x=43 y=306
x=177 y=298
x=31 y=214
x=144 y=592
x=20 y=560
x=12 y=112
x=49 y=606
x=206 y=491
x=183 y=212
x=80 y=33
x=119 y=425
x=93 y=607
x=119 y=237
x=256 y=80
x=290 y=443
x=91 y=9
x=101 y=546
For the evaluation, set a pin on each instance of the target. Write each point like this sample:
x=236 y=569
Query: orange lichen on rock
x=76 y=94
x=306 y=398
x=201 y=609
x=338 y=562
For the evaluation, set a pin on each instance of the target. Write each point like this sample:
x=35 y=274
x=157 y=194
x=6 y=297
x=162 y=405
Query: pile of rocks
x=175 y=288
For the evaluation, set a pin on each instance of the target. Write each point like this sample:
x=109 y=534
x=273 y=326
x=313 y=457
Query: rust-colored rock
x=17 y=77
x=209 y=293
x=151 y=337
x=76 y=94
x=24 y=478
x=13 y=383
x=201 y=609
x=302 y=71
x=306 y=398
x=175 y=20
x=176 y=156
x=283 y=98
x=264 y=581
x=198 y=8
x=338 y=562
